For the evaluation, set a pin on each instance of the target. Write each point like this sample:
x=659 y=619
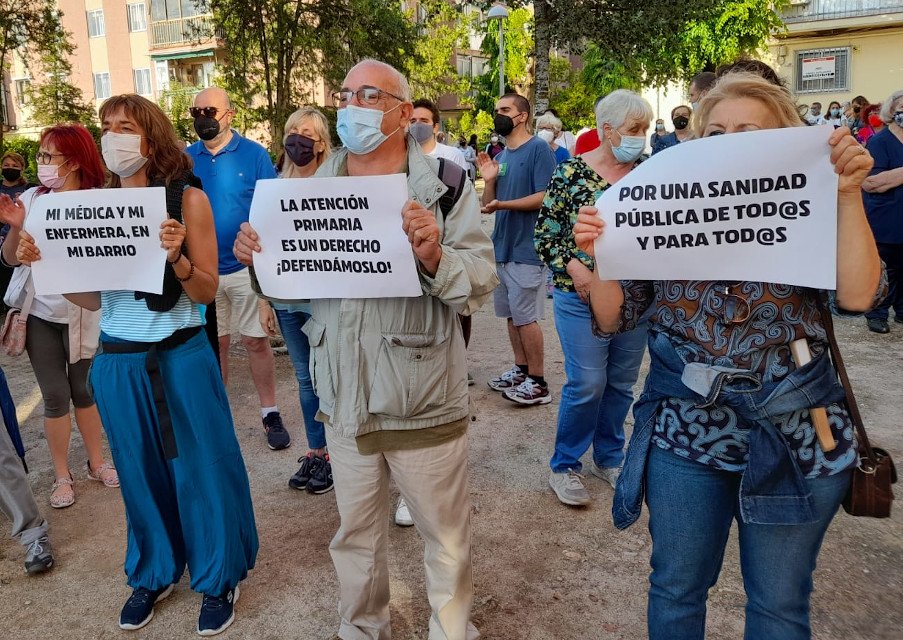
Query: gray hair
x=402 y=86
x=620 y=106
x=548 y=119
x=887 y=109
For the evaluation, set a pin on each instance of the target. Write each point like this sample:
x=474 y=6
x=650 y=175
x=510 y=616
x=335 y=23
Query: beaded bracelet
x=190 y=273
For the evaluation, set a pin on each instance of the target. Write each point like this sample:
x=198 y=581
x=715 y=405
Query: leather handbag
x=870 y=494
x=12 y=335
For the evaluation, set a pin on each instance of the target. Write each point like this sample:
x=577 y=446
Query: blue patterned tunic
x=703 y=321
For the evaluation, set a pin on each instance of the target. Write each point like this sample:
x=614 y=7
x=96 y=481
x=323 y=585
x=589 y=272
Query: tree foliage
x=519 y=48
x=278 y=50
x=175 y=101
x=34 y=31
x=430 y=71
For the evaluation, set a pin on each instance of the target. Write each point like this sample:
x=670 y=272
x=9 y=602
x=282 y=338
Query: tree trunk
x=542 y=43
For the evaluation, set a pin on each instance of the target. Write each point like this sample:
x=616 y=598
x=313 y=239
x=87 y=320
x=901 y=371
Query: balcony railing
x=182 y=31
x=817 y=10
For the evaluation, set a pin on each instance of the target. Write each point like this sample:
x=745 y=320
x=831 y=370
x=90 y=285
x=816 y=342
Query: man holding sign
x=391 y=373
x=725 y=428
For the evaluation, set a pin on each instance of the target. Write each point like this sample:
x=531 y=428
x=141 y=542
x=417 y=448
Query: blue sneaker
x=139 y=608
x=217 y=613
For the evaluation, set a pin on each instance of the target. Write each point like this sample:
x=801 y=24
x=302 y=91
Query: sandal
x=105 y=473
x=62 y=495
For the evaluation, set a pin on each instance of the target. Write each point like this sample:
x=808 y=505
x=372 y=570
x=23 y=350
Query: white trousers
x=433 y=481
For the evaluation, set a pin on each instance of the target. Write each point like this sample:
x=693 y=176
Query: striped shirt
x=124 y=317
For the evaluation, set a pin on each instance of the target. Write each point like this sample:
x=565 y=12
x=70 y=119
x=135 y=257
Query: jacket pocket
x=320 y=366
x=411 y=375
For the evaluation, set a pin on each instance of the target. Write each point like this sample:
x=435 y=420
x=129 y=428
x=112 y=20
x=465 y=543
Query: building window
x=95 y=23
x=823 y=70
x=137 y=16
x=143 y=82
x=22 y=91
x=102 y=89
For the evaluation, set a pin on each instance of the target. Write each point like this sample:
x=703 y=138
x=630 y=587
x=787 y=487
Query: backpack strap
x=452 y=176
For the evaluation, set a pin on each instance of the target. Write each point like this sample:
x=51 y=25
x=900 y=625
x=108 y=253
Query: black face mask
x=206 y=127
x=681 y=122
x=299 y=149
x=11 y=174
x=503 y=124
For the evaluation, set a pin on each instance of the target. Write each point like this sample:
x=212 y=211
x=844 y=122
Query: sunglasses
x=735 y=309
x=197 y=112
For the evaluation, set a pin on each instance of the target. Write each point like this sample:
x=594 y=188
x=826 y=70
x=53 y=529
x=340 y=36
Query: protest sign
x=759 y=206
x=98 y=240
x=333 y=238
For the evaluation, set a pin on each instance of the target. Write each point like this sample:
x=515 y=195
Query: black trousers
x=892 y=254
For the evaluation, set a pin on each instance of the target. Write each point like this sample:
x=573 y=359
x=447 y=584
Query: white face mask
x=360 y=129
x=545 y=135
x=122 y=153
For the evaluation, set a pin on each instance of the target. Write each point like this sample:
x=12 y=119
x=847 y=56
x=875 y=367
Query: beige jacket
x=400 y=363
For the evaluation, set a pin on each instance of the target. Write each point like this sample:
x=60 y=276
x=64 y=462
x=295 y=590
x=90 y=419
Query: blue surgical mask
x=835 y=112
x=360 y=129
x=630 y=149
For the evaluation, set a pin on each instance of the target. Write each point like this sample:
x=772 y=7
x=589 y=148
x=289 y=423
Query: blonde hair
x=737 y=84
x=321 y=128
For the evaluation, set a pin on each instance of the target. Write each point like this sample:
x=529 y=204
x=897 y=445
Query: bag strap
x=852 y=405
x=29 y=299
x=452 y=176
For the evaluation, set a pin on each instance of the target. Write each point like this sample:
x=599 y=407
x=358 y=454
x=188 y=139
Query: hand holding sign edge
x=422 y=230
x=246 y=244
x=587 y=229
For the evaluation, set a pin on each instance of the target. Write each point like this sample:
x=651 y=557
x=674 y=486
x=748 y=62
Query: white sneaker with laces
x=609 y=474
x=529 y=392
x=508 y=380
x=568 y=486
x=403 y=514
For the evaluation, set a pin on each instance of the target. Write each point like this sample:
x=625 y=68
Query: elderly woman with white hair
x=883 y=196
x=548 y=128
x=600 y=372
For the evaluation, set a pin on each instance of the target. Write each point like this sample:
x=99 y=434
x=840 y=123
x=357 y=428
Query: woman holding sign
x=60 y=337
x=307 y=145
x=159 y=390
x=719 y=434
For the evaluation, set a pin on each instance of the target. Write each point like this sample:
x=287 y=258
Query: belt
x=152 y=365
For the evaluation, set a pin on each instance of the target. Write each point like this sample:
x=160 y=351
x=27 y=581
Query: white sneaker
x=569 y=488
x=403 y=514
x=609 y=474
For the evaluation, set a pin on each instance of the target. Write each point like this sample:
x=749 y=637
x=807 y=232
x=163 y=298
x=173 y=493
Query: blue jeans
x=598 y=393
x=691 y=508
x=299 y=351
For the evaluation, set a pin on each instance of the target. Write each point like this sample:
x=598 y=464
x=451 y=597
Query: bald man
x=229 y=167
x=391 y=373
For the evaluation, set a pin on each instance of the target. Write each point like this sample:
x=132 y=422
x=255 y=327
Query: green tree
x=278 y=50
x=33 y=30
x=519 y=50
x=473 y=122
x=430 y=72
x=55 y=99
x=175 y=101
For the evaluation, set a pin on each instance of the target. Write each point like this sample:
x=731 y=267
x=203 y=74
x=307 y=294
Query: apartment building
x=838 y=49
x=125 y=47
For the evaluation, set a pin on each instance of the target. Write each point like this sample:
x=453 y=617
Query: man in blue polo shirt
x=229 y=166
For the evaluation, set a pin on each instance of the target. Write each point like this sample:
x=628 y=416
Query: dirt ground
x=542 y=570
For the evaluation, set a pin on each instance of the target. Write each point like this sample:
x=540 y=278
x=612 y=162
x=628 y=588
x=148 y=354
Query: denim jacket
x=772 y=489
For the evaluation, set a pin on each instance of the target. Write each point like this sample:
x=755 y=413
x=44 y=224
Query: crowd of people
x=383 y=382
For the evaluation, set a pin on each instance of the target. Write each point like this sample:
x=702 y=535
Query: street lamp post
x=500 y=12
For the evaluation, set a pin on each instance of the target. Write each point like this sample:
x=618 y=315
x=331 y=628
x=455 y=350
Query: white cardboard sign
x=333 y=238
x=758 y=206
x=98 y=240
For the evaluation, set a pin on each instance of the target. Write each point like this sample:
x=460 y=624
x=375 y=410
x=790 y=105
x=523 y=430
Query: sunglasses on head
x=197 y=112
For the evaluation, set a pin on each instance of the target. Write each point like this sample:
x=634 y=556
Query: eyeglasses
x=43 y=157
x=197 y=112
x=735 y=308
x=365 y=95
